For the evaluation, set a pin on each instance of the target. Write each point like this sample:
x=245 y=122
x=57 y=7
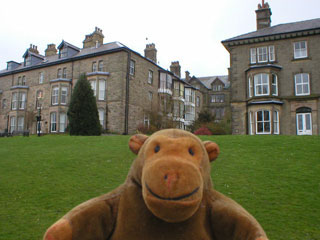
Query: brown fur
x=168 y=194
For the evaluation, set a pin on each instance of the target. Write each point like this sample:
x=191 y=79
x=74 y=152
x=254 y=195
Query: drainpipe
x=126 y=110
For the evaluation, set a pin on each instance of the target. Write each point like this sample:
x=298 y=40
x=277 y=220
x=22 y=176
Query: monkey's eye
x=157 y=149
x=191 y=151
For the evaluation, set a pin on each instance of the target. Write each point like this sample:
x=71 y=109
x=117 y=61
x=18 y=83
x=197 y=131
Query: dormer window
x=64 y=52
x=217 y=88
x=28 y=61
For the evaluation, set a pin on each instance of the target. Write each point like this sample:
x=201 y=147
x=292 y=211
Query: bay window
x=102 y=89
x=20 y=123
x=263 y=122
x=276 y=122
x=14 y=102
x=94 y=87
x=261 y=84
x=64 y=95
x=54 y=96
x=274 y=85
x=53 y=122
x=12 y=124
x=62 y=122
x=262 y=54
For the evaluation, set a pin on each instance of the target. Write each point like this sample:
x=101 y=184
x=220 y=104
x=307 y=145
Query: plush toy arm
x=231 y=221
x=93 y=219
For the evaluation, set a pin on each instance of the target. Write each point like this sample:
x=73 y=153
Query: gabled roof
x=280 y=29
x=66 y=44
x=207 y=81
x=28 y=52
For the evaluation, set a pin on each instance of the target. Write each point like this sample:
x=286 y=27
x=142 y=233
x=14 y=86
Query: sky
x=188 y=31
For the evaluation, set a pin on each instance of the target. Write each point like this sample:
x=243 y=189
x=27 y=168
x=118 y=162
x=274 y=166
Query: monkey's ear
x=213 y=150
x=136 y=142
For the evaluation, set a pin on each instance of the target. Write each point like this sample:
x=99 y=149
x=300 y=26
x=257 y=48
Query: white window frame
x=150 y=77
x=276 y=125
x=102 y=89
x=262 y=54
x=101 y=116
x=93 y=84
x=64 y=73
x=274 y=84
x=55 y=96
x=304 y=131
x=24 y=81
x=20 y=124
x=62 y=122
x=272 y=56
x=259 y=83
x=304 y=81
x=53 y=122
x=12 y=124
x=132 y=67
x=251 y=123
x=64 y=96
x=300 y=52
x=14 y=102
x=22 y=100
x=263 y=122
x=41 y=77
x=94 y=66
x=100 y=66
x=253 y=55
x=250 y=83
x=188 y=94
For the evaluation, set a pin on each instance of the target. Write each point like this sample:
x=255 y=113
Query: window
x=176 y=90
x=262 y=54
x=304 y=123
x=41 y=77
x=62 y=122
x=24 y=80
x=300 y=49
x=188 y=95
x=190 y=113
x=100 y=66
x=302 y=84
x=261 y=84
x=132 y=67
x=64 y=74
x=12 y=124
x=4 y=103
x=19 y=81
x=64 y=52
x=218 y=112
x=169 y=81
x=64 y=95
x=146 y=120
x=28 y=61
x=150 y=96
x=54 y=96
x=274 y=85
x=253 y=55
x=263 y=122
x=217 y=98
x=22 y=100
x=39 y=96
x=216 y=88
x=251 y=123
x=59 y=74
x=94 y=67
x=101 y=117
x=181 y=109
x=250 y=87
x=276 y=122
x=198 y=101
x=271 y=54
x=150 y=77
x=53 y=122
x=181 y=90
x=20 y=123
x=14 y=102
x=94 y=87
x=176 y=109
x=102 y=89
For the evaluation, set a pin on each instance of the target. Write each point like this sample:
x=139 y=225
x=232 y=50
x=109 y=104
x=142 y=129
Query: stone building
x=126 y=84
x=274 y=75
x=216 y=94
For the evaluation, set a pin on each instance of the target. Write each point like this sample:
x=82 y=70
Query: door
x=304 y=124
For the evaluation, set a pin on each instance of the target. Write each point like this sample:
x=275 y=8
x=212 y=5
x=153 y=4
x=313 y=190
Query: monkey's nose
x=170 y=179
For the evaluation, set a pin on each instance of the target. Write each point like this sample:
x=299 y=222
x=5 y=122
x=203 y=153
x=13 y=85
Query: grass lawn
x=276 y=178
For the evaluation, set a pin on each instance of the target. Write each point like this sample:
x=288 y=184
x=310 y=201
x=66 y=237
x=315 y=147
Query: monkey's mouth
x=172 y=198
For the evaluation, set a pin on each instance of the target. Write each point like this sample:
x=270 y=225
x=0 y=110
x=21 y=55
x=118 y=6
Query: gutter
x=126 y=109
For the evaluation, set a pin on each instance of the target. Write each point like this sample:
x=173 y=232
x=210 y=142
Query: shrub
x=203 y=131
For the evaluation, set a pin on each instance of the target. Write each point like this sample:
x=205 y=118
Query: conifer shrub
x=83 y=112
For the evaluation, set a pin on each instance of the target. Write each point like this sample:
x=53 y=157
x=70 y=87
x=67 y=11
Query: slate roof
x=208 y=80
x=280 y=29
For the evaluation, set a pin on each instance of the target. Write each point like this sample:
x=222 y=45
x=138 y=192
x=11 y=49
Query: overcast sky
x=188 y=31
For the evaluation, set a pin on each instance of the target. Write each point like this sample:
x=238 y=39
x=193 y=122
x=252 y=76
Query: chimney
x=175 y=68
x=150 y=52
x=33 y=49
x=51 y=50
x=263 y=15
x=94 y=39
x=187 y=76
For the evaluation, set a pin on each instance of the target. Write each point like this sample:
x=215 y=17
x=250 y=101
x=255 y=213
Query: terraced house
x=127 y=86
x=275 y=77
